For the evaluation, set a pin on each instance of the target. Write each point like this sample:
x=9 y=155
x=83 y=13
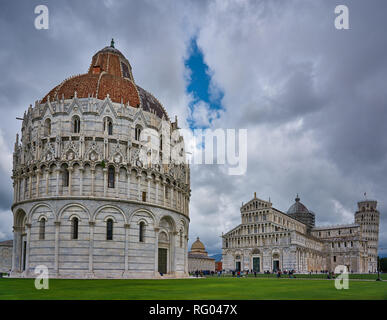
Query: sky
x=312 y=97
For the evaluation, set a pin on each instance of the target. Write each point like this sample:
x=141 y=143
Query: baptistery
x=101 y=182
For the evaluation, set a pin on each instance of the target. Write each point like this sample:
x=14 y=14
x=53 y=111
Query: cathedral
x=101 y=182
x=269 y=240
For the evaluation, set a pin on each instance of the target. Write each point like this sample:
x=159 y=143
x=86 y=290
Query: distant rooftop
x=6 y=243
x=336 y=226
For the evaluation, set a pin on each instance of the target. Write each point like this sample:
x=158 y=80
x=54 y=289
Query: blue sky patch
x=199 y=86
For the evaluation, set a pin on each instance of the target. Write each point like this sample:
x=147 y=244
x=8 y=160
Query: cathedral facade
x=101 y=183
x=269 y=240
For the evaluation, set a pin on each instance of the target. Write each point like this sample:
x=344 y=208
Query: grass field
x=365 y=276
x=192 y=289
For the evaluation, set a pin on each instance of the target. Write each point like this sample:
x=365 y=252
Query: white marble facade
x=268 y=240
x=103 y=164
x=5 y=256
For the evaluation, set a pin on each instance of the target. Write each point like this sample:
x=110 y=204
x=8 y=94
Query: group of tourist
x=202 y=273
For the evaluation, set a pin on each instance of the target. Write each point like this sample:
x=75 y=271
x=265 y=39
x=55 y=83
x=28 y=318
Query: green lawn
x=192 y=289
x=366 y=276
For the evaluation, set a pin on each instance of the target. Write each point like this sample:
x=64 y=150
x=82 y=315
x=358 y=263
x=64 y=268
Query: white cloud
x=202 y=114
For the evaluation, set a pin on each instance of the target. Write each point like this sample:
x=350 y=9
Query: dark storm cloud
x=312 y=97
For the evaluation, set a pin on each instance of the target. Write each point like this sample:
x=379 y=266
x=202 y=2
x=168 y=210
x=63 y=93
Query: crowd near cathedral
x=102 y=190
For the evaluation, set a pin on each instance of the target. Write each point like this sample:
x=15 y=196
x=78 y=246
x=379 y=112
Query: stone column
x=148 y=197
x=56 y=261
x=92 y=180
x=157 y=251
x=116 y=184
x=25 y=186
x=28 y=226
x=16 y=254
x=91 y=248
x=139 y=187
x=172 y=194
x=14 y=185
x=30 y=185
x=164 y=198
x=38 y=171
x=106 y=144
x=71 y=169
x=157 y=181
x=186 y=255
x=127 y=226
x=173 y=251
x=104 y=181
x=128 y=184
x=47 y=180
x=81 y=170
x=82 y=141
x=17 y=189
x=57 y=181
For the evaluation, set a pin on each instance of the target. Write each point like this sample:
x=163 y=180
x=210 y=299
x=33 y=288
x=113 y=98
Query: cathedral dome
x=110 y=73
x=300 y=212
x=198 y=248
x=198 y=245
x=297 y=207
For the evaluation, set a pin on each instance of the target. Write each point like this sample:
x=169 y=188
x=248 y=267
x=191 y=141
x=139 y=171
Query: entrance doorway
x=163 y=254
x=257 y=264
x=275 y=265
x=238 y=266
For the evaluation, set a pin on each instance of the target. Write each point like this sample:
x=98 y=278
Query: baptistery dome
x=101 y=182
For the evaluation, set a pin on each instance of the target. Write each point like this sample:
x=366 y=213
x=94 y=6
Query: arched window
x=137 y=132
x=141 y=231
x=47 y=127
x=65 y=176
x=161 y=142
x=42 y=229
x=108 y=126
x=111 y=174
x=109 y=229
x=76 y=124
x=74 y=228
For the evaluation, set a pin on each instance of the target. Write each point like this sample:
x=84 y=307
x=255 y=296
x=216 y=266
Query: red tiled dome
x=109 y=73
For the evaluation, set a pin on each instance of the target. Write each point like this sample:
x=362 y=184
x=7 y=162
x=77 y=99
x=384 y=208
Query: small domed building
x=198 y=258
x=101 y=182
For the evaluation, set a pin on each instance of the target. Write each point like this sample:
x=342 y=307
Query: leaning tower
x=101 y=183
x=367 y=217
